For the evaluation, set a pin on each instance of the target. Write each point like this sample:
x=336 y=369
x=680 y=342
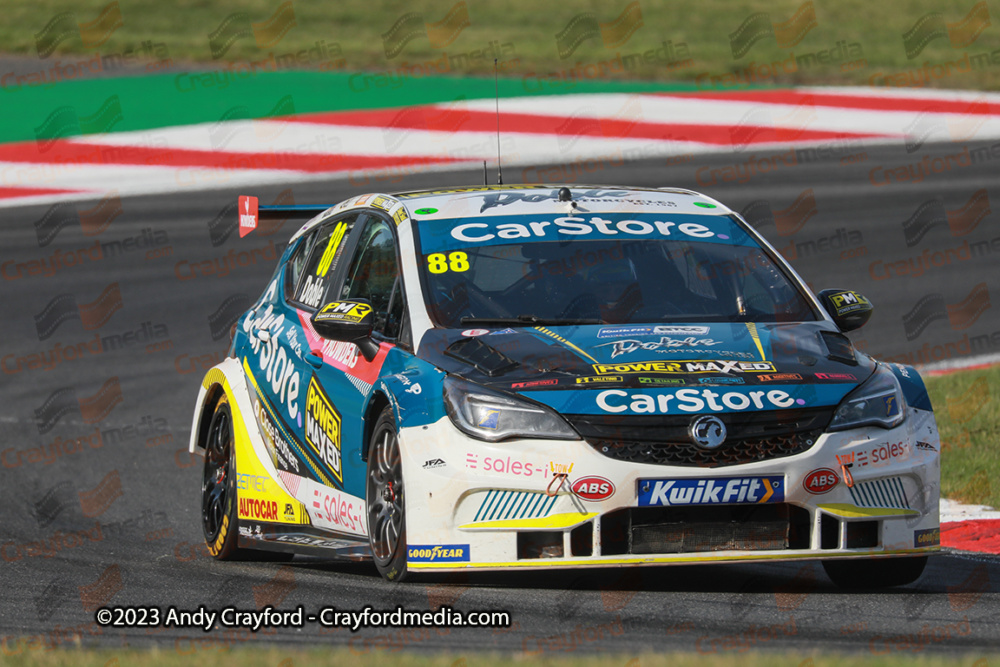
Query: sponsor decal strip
x=752 y=328
x=304 y=456
x=514 y=505
x=556 y=521
x=276 y=503
x=750 y=490
x=448 y=234
x=323 y=428
x=446 y=553
x=344 y=356
x=654 y=400
x=553 y=334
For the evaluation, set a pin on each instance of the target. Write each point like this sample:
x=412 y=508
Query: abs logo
x=593 y=488
x=820 y=481
x=323 y=427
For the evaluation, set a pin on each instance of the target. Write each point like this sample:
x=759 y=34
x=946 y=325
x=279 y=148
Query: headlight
x=878 y=402
x=487 y=415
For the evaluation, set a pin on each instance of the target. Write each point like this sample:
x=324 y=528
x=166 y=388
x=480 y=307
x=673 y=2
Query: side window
x=293 y=270
x=325 y=254
x=373 y=276
x=394 y=321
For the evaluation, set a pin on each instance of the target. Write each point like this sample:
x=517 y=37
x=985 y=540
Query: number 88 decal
x=439 y=263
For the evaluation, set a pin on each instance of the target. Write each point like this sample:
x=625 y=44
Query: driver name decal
x=620 y=347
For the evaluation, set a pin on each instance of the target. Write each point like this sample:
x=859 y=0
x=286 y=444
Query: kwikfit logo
x=712 y=491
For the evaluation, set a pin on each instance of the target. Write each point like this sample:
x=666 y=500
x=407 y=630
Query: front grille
x=657 y=530
x=664 y=440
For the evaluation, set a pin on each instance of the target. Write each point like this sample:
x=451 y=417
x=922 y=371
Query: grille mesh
x=694 y=537
x=665 y=440
x=672 y=530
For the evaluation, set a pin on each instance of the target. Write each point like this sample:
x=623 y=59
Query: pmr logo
x=323 y=427
x=848 y=302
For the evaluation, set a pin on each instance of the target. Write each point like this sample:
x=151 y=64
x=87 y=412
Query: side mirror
x=349 y=322
x=849 y=310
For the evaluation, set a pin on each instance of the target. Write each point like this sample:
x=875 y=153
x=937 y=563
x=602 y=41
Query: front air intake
x=674 y=530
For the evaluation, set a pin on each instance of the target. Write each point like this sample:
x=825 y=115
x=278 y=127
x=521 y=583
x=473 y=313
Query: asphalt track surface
x=126 y=481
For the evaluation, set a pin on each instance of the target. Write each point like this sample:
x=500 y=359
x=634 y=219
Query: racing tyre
x=218 y=486
x=875 y=573
x=385 y=500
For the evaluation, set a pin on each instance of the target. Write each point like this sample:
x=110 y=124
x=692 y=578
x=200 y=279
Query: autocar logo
x=708 y=432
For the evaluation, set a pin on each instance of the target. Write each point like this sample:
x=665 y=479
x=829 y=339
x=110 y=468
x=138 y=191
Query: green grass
x=277 y=657
x=967 y=409
x=353 y=34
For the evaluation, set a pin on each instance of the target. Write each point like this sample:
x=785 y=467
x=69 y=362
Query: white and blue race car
x=559 y=377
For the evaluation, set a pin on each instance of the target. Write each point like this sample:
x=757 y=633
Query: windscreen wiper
x=528 y=320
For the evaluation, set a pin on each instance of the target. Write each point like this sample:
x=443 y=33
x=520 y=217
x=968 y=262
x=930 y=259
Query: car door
x=308 y=276
x=345 y=381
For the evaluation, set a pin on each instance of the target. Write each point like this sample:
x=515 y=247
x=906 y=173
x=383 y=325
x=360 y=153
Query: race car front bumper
x=867 y=492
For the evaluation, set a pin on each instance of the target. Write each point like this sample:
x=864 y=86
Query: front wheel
x=875 y=573
x=385 y=500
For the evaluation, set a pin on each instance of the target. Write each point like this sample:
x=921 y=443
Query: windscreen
x=602 y=268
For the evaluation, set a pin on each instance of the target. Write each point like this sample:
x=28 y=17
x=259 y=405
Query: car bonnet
x=811 y=363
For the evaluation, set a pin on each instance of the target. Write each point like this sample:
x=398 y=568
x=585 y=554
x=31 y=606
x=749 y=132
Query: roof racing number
x=438 y=262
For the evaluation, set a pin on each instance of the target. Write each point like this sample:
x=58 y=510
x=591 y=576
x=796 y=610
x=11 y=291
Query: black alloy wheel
x=385 y=500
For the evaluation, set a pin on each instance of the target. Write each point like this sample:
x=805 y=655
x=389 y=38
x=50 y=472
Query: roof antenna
x=496 y=89
x=486 y=176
